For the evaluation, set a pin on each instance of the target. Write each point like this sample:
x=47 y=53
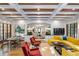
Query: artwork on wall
x=19 y=30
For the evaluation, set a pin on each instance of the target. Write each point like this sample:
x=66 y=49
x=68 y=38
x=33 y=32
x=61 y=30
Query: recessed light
x=38 y=9
x=73 y=9
x=3 y=9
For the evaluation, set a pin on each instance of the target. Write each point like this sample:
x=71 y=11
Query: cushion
x=73 y=40
x=64 y=37
x=35 y=53
x=57 y=37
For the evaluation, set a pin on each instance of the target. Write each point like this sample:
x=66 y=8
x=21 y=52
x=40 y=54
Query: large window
x=71 y=29
x=5 y=31
x=39 y=29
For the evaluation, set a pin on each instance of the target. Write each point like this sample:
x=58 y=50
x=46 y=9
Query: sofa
x=71 y=42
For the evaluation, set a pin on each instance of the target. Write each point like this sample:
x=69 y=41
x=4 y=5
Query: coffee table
x=47 y=50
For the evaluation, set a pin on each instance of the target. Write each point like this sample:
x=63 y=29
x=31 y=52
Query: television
x=59 y=31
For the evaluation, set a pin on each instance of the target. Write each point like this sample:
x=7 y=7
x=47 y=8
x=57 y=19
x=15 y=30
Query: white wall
x=54 y=24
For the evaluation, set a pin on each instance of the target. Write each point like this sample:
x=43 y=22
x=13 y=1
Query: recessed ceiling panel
x=38 y=3
x=40 y=10
x=7 y=10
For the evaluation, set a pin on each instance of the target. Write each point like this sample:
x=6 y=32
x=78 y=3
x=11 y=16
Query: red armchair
x=30 y=52
x=34 y=42
x=25 y=51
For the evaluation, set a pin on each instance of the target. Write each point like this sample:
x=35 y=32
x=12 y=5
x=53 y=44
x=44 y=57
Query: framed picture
x=20 y=29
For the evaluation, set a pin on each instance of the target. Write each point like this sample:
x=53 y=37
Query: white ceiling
x=29 y=11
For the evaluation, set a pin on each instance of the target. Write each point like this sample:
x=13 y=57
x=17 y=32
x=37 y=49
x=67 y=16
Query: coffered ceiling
x=34 y=11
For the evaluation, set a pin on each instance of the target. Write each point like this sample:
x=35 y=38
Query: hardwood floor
x=16 y=52
x=45 y=49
